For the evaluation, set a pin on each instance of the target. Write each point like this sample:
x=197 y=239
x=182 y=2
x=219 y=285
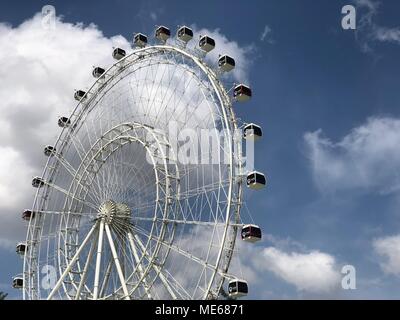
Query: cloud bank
x=40 y=70
x=389 y=249
x=310 y=272
x=313 y=272
x=366 y=159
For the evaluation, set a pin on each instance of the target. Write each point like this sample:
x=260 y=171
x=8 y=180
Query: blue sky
x=307 y=74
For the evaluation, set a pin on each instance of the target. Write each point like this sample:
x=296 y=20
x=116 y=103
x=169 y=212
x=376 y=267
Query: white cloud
x=387 y=34
x=314 y=272
x=366 y=159
x=311 y=272
x=153 y=16
x=389 y=248
x=368 y=30
x=13 y=169
x=369 y=4
x=40 y=70
x=266 y=34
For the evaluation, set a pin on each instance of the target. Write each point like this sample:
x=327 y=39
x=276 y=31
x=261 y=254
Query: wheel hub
x=115 y=213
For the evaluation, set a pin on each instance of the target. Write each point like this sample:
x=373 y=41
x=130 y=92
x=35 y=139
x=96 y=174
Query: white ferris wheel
x=116 y=214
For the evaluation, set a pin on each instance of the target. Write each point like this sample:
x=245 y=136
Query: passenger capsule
x=140 y=40
x=98 y=72
x=49 y=151
x=21 y=248
x=242 y=93
x=28 y=215
x=64 y=122
x=185 y=34
x=37 y=182
x=237 y=288
x=206 y=43
x=251 y=233
x=163 y=33
x=118 y=53
x=79 y=95
x=252 y=132
x=256 y=180
x=18 y=282
x=226 y=63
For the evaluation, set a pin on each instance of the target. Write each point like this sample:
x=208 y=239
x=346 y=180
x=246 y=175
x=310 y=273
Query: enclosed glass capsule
x=18 y=282
x=28 y=215
x=163 y=33
x=237 y=288
x=64 y=122
x=98 y=72
x=21 y=248
x=118 y=53
x=140 y=40
x=252 y=132
x=49 y=151
x=226 y=63
x=79 y=95
x=185 y=34
x=37 y=182
x=242 y=93
x=256 y=180
x=251 y=233
x=206 y=43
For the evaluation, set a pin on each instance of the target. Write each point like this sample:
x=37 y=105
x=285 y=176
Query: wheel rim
x=223 y=197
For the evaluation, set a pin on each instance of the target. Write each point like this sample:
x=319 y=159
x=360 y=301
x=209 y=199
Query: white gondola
x=185 y=34
x=140 y=40
x=98 y=72
x=118 y=53
x=251 y=233
x=28 y=215
x=37 y=182
x=18 y=282
x=21 y=248
x=163 y=33
x=64 y=122
x=256 y=180
x=49 y=151
x=252 y=132
x=206 y=43
x=237 y=288
x=79 y=95
x=226 y=63
x=242 y=93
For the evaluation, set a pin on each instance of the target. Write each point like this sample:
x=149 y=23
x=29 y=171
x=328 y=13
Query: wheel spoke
x=106 y=278
x=116 y=262
x=178 y=250
x=85 y=269
x=71 y=263
x=155 y=267
x=139 y=265
x=98 y=260
x=189 y=222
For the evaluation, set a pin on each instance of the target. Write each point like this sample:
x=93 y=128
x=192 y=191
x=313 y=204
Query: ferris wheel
x=120 y=211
